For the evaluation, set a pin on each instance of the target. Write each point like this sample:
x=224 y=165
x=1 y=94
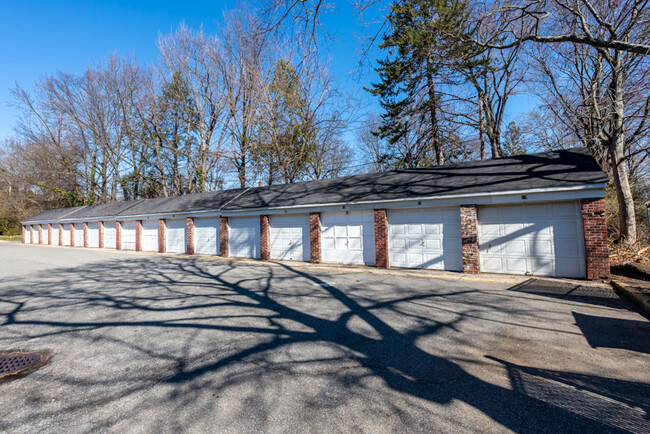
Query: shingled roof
x=548 y=170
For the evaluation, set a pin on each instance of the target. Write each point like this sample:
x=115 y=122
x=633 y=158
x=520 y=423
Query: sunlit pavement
x=144 y=343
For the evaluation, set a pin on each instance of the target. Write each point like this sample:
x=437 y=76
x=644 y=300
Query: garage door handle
x=421 y=243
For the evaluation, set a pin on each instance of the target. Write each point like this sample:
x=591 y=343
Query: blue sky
x=43 y=37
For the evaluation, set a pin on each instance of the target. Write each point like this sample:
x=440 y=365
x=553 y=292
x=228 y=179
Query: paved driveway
x=146 y=343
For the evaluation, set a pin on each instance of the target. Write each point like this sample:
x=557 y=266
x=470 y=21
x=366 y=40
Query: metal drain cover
x=12 y=363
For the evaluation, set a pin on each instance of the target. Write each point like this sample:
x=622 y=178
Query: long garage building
x=539 y=214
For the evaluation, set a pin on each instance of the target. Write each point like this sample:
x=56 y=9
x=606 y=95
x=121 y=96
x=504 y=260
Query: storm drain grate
x=13 y=363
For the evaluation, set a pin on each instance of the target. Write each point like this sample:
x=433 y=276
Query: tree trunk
x=481 y=131
x=617 y=154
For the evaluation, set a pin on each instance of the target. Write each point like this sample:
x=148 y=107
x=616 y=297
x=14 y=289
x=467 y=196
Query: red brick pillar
x=223 y=236
x=40 y=234
x=71 y=235
x=31 y=234
x=24 y=234
x=118 y=236
x=469 y=238
x=381 y=238
x=60 y=234
x=189 y=235
x=265 y=237
x=138 y=235
x=49 y=234
x=314 y=237
x=85 y=234
x=595 y=231
x=100 y=229
x=162 y=238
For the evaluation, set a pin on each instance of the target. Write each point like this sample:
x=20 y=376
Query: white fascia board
x=504 y=197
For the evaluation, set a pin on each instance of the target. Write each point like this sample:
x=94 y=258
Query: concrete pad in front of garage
x=143 y=343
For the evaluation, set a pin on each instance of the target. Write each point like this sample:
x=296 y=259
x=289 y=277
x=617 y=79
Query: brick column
x=100 y=229
x=31 y=234
x=189 y=235
x=85 y=234
x=40 y=234
x=71 y=235
x=314 y=237
x=118 y=236
x=265 y=237
x=469 y=238
x=138 y=235
x=49 y=234
x=24 y=233
x=381 y=238
x=162 y=238
x=60 y=234
x=595 y=231
x=223 y=236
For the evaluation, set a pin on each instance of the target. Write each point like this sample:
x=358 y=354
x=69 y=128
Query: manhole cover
x=13 y=363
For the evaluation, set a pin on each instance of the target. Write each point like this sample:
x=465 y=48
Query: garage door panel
x=93 y=235
x=109 y=235
x=532 y=239
x=128 y=235
x=244 y=237
x=175 y=237
x=428 y=238
x=565 y=209
x=353 y=237
x=206 y=235
x=290 y=237
x=149 y=235
x=55 y=235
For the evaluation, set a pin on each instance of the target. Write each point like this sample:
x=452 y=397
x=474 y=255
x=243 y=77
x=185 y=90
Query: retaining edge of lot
x=643 y=300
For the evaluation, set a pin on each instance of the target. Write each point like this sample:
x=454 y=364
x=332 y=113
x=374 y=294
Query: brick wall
x=49 y=234
x=223 y=236
x=265 y=237
x=71 y=235
x=40 y=234
x=189 y=236
x=381 y=238
x=100 y=229
x=162 y=236
x=85 y=234
x=314 y=237
x=595 y=231
x=138 y=235
x=118 y=236
x=60 y=234
x=469 y=238
x=24 y=233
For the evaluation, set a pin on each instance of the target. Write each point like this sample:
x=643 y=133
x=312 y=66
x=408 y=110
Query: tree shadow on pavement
x=178 y=334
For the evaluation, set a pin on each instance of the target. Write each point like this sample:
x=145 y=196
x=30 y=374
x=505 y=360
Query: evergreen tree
x=425 y=42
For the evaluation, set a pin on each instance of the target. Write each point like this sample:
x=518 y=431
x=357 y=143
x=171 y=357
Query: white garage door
x=206 y=235
x=36 y=238
x=348 y=237
x=28 y=235
x=66 y=234
x=425 y=238
x=176 y=235
x=150 y=235
x=109 y=235
x=78 y=234
x=93 y=234
x=244 y=237
x=539 y=239
x=290 y=237
x=128 y=235
x=55 y=234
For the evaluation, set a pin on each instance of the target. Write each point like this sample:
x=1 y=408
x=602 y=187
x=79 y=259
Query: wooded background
x=256 y=102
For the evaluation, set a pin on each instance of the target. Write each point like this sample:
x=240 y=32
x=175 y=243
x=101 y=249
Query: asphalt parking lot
x=157 y=343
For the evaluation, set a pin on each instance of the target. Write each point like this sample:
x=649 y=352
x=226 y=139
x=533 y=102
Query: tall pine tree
x=425 y=43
